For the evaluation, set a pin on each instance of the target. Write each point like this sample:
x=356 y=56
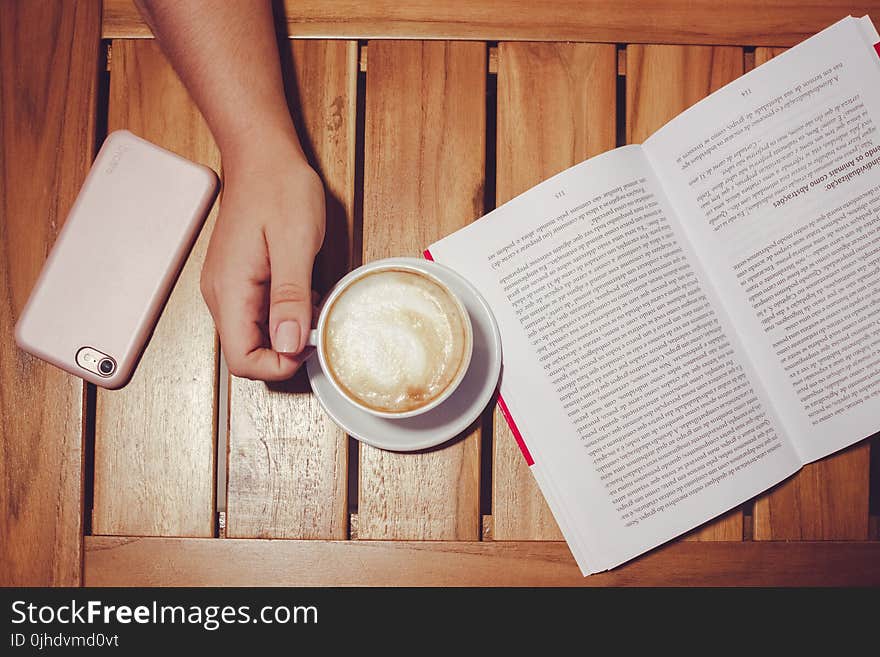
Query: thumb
x=290 y=300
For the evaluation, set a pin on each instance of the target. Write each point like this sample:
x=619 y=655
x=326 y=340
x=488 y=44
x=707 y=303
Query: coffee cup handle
x=312 y=339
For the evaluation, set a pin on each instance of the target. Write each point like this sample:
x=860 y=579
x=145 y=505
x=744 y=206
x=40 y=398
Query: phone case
x=101 y=290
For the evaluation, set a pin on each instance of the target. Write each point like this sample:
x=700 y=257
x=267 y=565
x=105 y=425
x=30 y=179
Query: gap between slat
x=620 y=98
x=874 y=489
x=356 y=259
x=487 y=434
x=90 y=395
x=222 y=442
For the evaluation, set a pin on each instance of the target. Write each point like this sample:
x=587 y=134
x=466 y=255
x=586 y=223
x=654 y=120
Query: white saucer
x=452 y=416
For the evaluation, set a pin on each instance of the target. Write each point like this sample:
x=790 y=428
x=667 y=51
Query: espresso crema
x=395 y=340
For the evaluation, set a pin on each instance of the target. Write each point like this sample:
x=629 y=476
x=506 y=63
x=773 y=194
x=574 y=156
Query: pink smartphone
x=101 y=290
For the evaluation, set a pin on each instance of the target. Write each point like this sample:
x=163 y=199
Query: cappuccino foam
x=394 y=340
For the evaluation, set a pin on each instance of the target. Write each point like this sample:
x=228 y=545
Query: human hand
x=257 y=274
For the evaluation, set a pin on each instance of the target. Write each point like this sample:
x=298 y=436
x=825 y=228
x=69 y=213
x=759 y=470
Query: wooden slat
x=287 y=459
x=746 y=22
x=154 y=439
x=825 y=500
x=49 y=55
x=556 y=107
x=764 y=55
x=215 y=562
x=423 y=178
x=661 y=82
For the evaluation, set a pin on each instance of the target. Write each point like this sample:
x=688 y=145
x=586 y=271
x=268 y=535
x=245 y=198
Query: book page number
x=745 y=92
x=559 y=194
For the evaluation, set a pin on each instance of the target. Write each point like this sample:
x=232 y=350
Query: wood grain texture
x=556 y=107
x=745 y=22
x=130 y=561
x=662 y=82
x=287 y=459
x=764 y=55
x=49 y=54
x=825 y=500
x=424 y=143
x=155 y=438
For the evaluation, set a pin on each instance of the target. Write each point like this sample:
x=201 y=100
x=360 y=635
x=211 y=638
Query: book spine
x=515 y=430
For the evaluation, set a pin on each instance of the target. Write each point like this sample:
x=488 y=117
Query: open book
x=689 y=321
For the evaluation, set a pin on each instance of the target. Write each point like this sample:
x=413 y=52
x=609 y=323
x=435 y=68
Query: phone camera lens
x=106 y=366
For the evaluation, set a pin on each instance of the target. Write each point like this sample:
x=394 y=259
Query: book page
x=620 y=373
x=776 y=179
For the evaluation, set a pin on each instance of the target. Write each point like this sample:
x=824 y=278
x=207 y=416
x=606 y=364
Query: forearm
x=227 y=56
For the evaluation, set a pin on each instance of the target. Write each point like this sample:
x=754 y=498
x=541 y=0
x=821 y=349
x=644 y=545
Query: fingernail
x=287 y=337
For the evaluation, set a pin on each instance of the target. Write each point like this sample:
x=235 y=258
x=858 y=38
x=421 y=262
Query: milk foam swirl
x=394 y=340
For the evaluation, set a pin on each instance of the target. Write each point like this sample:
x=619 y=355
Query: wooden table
x=420 y=116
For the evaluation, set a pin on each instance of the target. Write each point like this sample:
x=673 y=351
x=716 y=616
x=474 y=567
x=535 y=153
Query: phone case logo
x=115 y=159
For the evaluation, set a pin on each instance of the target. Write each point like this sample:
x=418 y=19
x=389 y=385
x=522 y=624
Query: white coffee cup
x=375 y=334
